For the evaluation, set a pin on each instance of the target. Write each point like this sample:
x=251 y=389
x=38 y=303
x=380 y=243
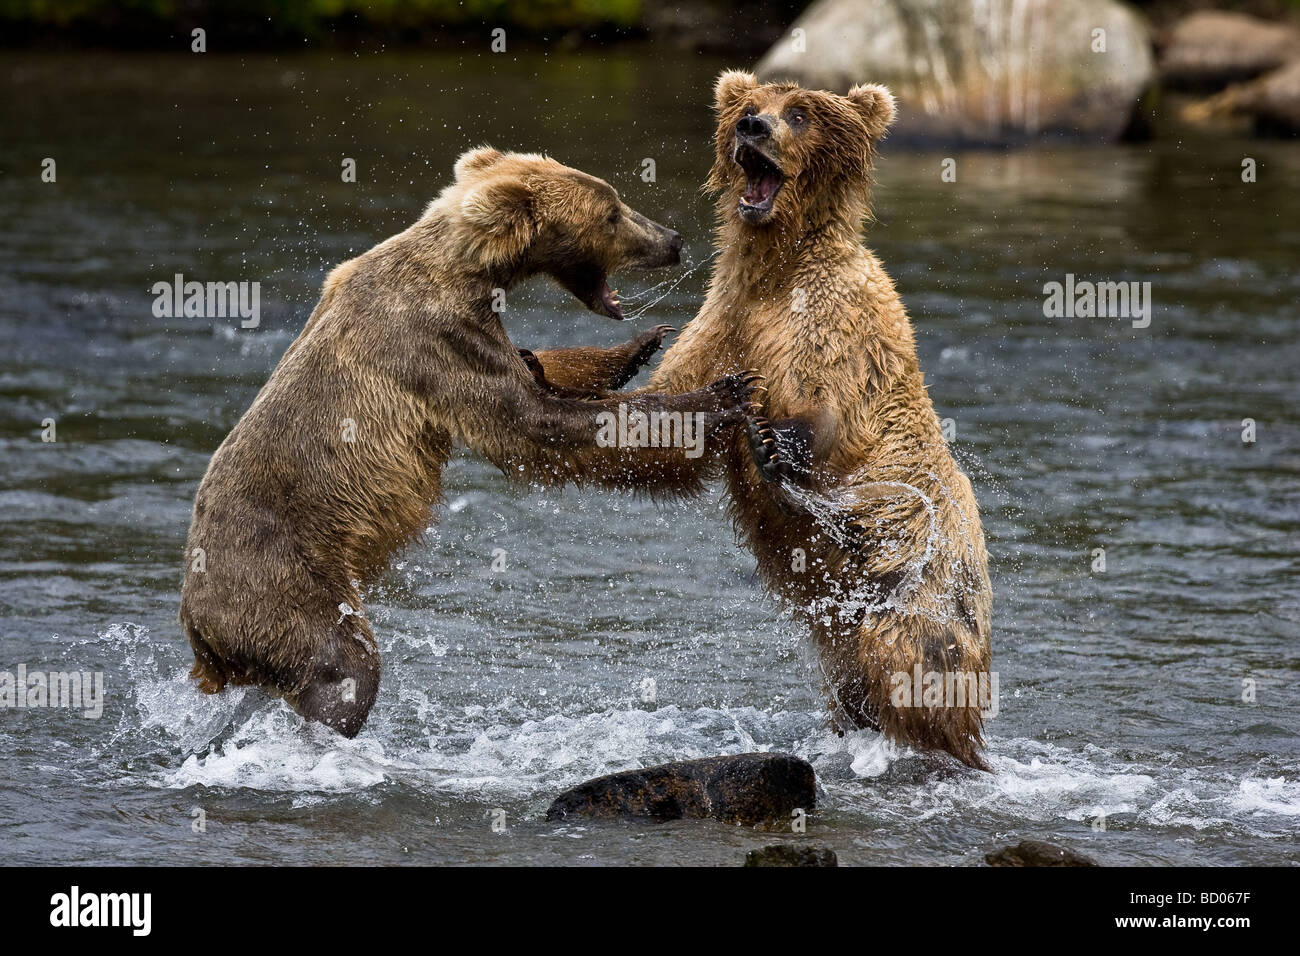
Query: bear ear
x=732 y=85
x=477 y=160
x=876 y=104
x=500 y=218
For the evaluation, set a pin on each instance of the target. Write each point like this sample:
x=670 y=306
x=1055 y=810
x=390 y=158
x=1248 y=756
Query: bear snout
x=660 y=247
x=673 y=255
x=754 y=128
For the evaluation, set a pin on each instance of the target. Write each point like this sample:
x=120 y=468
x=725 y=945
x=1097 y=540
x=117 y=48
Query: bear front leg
x=535 y=367
x=591 y=369
x=344 y=678
x=795 y=450
x=554 y=423
x=536 y=436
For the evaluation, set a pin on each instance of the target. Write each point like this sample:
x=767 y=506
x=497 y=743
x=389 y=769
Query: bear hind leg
x=863 y=667
x=208 y=669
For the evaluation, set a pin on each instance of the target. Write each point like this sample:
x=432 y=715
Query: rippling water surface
x=1121 y=692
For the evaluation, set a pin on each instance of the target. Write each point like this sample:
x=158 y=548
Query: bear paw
x=726 y=399
x=765 y=448
x=643 y=347
x=647 y=344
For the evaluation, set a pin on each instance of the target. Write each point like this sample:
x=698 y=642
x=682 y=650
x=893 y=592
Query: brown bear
x=338 y=461
x=848 y=496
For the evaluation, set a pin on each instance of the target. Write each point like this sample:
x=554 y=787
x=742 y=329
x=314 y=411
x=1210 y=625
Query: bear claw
x=764 y=448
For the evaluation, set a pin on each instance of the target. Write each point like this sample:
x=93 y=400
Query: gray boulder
x=978 y=73
x=1212 y=48
x=1270 y=103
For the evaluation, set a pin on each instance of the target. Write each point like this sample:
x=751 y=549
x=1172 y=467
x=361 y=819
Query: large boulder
x=978 y=73
x=1212 y=48
x=748 y=789
x=1271 y=103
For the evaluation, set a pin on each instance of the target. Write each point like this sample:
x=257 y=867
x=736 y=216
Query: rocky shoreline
x=981 y=75
x=1068 y=70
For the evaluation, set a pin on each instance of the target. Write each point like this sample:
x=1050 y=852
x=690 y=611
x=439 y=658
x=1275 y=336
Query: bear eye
x=614 y=217
x=797 y=118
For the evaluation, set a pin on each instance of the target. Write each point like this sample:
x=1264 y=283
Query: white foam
x=506 y=749
x=1273 y=795
x=277 y=750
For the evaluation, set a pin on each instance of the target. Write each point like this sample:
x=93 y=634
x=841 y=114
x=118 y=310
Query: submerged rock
x=791 y=854
x=1037 y=853
x=747 y=789
x=1212 y=48
x=978 y=73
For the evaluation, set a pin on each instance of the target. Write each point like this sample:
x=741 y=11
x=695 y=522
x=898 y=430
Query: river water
x=1159 y=695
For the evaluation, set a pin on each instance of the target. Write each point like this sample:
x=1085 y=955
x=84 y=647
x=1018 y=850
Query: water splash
x=171 y=738
x=833 y=511
x=675 y=283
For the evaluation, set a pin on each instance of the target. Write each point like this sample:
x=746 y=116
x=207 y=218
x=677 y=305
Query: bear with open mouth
x=338 y=462
x=843 y=485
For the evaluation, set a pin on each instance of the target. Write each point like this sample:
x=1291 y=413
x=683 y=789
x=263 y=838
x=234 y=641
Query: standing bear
x=338 y=461
x=843 y=487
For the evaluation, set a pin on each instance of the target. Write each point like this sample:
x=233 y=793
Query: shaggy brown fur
x=337 y=462
x=856 y=484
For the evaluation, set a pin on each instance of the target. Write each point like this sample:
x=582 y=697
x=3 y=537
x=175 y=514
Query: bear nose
x=754 y=127
x=674 y=241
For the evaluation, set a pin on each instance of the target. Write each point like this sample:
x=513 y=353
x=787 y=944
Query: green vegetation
x=275 y=21
x=295 y=23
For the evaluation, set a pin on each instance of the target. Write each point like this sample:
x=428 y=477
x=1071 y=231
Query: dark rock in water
x=978 y=73
x=1121 y=821
x=791 y=854
x=747 y=789
x=1037 y=853
x=1211 y=48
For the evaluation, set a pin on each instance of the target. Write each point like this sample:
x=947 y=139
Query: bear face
x=783 y=151
x=524 y=214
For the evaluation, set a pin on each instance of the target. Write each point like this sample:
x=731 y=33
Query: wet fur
x=294 y=521
x=843 y=376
